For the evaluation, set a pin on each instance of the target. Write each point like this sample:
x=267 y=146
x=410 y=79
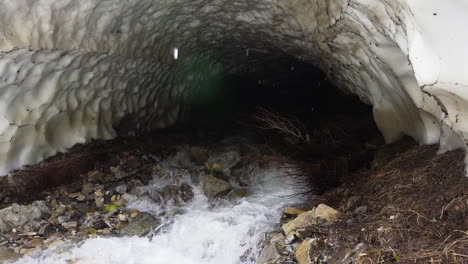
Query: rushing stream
x=229 y=231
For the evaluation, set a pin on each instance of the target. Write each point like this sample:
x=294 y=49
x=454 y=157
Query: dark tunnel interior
x=340 y=127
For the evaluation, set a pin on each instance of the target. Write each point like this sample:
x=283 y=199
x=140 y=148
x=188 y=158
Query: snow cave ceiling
x=71 y=71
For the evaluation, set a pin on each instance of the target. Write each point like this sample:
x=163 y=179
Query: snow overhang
x=72 y=71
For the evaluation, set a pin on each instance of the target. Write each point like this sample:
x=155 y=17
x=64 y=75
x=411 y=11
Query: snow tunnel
x=73 y=71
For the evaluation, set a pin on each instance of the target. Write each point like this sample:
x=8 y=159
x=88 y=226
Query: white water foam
x=223 y=234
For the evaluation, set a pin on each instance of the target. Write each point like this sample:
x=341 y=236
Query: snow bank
x=71 y=71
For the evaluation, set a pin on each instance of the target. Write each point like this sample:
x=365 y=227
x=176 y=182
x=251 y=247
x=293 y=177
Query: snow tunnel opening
x=340 y=128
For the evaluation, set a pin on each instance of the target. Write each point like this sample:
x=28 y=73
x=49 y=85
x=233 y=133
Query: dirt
x=411 y=206
x=68 y=170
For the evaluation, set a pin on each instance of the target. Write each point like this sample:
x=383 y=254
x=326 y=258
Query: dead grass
x=417 y=209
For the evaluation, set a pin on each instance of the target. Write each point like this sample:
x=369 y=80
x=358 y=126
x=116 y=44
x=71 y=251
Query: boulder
x=308 y=218
x=141 y=225
x=214 y=187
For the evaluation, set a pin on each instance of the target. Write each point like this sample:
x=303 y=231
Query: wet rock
x=217 y=170
x=199 y=154
x=238 y=193
x=227 y=158
x=271 y=253
x=185 y=192
x=17 y=216
x=181 y=158
x=8 y=255
x=177 y=193
x=310 y=218
x=141 y=225
x=215 y=187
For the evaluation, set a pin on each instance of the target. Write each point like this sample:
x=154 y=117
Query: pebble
x=81 y=198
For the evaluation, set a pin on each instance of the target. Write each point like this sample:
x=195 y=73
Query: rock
x=74 y=195
x=291 y=211
x=63 y=218
x=353 y=255
x=95 y=176
x=133 y=162
x=99 y=198
x=239 y=193
x=128 y=198
x=17 y=216
x=199 y=154
x=141 y=225
x=351 y=203
x=227 y=158
x=70 y=225
x=303 y=252
x=47 y=230
x=118 y=173
x=32 y=243
x=84 y=208
x=303 y=220
x=64 y=199
x=185 y=192
x=8 y=255
x=215 y=187
x=361 y=210
x=271 y=251
x=176 y=193
x=133 y=214
x=98 y=224
x=326 y=212
x=86 y=189
x=81 y=198
x=122 y=188
x=310 y=218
